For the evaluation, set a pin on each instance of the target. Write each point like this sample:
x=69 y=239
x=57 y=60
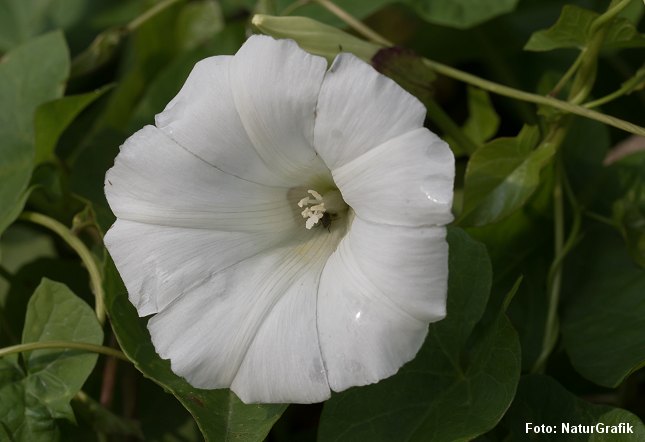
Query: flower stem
x=64 y=345
x=357 y=25
x=83 y=252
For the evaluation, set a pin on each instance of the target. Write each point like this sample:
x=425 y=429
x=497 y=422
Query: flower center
x=321 y=209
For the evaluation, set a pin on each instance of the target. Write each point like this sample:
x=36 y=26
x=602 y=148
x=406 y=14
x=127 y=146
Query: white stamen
x=314 y=213
x=315 y=195
x=317 y=198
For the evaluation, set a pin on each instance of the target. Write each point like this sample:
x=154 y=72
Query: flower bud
x=315 y=37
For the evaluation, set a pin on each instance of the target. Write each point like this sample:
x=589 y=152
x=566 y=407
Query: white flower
x=284 y=224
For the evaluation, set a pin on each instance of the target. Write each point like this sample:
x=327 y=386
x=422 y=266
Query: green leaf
x=168 y=421
x=460 y=14
x=219 y=413
x=102 y=420
x=33 y=397
x=541 y=400
x=502 y=175
x=583 y=152
x=482 y=122
x=8 y=215
x=54 y=117
x=99 y=53
x=169 y=80
x=572 y=30
x=608 y=182
x=198 y=23
x=154 y=44
x=603 y=326
x=29 y=75
x=628 y=212
x=461 y=381
x=21 y=20
x=28 y=278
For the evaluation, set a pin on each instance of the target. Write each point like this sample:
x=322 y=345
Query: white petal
x=378 y=292
x=156 y=181
x=409 y=265
x=359 y=109
x=252 y=327
x=275 y=87
x=159 y=263
x=203 y=119
x=406 y=181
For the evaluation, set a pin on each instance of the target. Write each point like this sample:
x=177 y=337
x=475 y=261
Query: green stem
x=449 y=127
x=580 y=89
x=606 y=99
x=586 y=76
x=64 y=345
x=83 y=252
x=554 y=278
x=357 y=25
x=626 y=88
x=156 y=9
x=567 y=75
x=600 y=218
x=534 y=98
x=551 y=327
x=615 y=7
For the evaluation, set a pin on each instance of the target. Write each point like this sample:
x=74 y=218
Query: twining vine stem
x=96 y=281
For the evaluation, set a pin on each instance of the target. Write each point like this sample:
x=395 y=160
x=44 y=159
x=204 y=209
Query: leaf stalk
x=63 y=345
x=96 y=280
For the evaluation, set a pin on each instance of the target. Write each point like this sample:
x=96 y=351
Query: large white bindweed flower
x=283 y=222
